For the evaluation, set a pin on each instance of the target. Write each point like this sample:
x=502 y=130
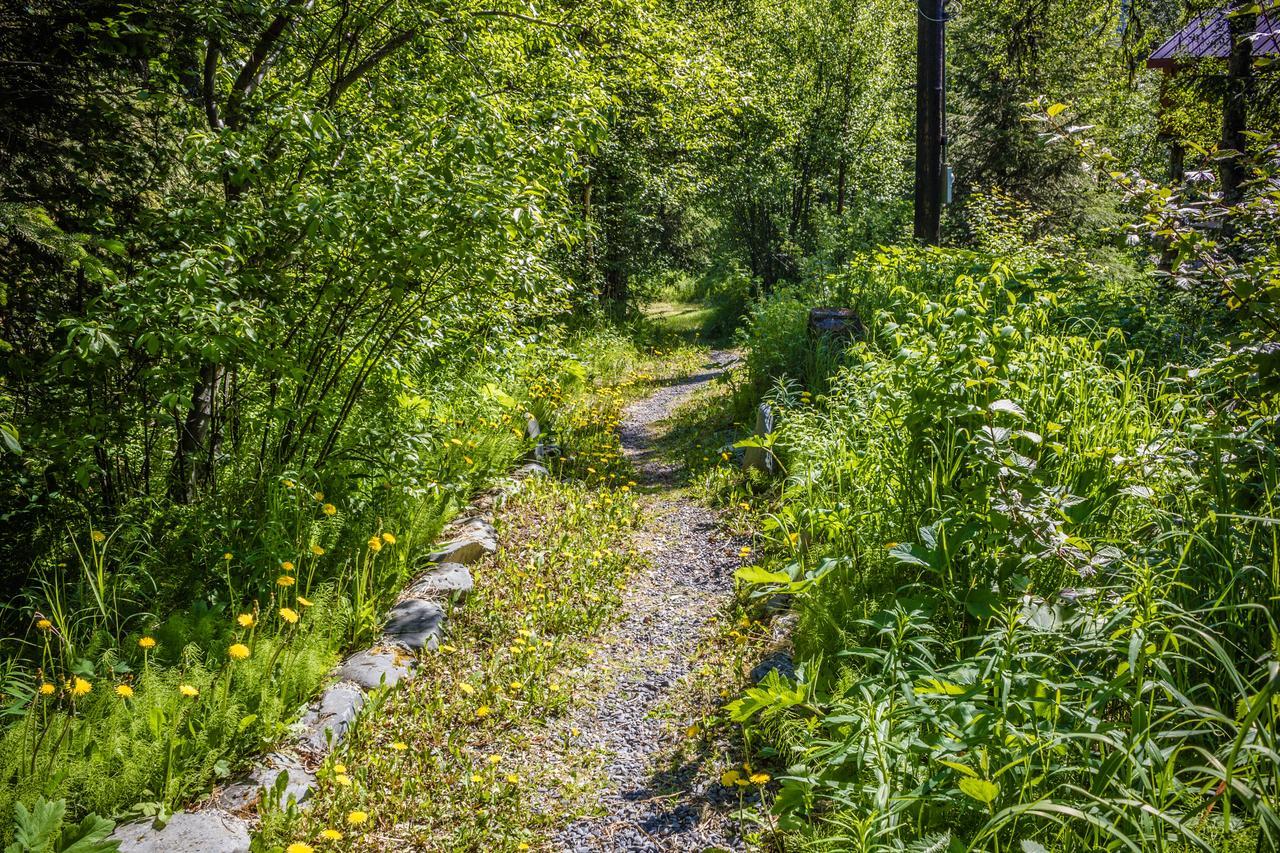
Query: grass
x=944 y=479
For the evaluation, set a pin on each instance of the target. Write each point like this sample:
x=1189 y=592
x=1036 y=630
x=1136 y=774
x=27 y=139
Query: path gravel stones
x=668 y=609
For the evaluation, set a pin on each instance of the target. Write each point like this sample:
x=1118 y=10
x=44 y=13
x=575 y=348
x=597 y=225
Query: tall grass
x=1045 y=613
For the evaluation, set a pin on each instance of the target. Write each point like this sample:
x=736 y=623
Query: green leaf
x=758 y=575
x=1056 y=110
x=959 y=768
x=36 y=830
x=982 y=790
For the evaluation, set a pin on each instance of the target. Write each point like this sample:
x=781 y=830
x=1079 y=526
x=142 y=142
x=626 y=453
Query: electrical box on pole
x=932 y=180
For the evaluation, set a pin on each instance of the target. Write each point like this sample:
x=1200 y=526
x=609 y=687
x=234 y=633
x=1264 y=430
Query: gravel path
x=667 y=611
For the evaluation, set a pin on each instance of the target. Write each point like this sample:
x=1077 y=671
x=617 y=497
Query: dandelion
x=575 y=731
x=329 y=509
x=399 y=746
x=467 y=689
x=759 y=778
x=124 y=691
x=522 y=846
x=318 y=495
x=495 y=759
x=339 y=768
x=477 y=778
x=97 y=536
x=513 y=779
x=286 y=566
x=375 y=544
x=343 y=779
x=228 y=556
x=46 y=689
x=729 y=778
x=744 y=551
x=147 y=643
x=188 y=690
x=357 y=817
x=238 y=651
x=331 y=835
x=245 y=620
x=388 y=538
x=288 y=484
x=305 y=602
x=317 y=550
x=517 y=685
x=44 y=624
x=285 y=580
x=289 y=615
x=299 y=847
x=80 y=687
x=692 y=731
x=482 y=711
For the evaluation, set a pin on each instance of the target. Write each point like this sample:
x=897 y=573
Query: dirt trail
x=668 y=609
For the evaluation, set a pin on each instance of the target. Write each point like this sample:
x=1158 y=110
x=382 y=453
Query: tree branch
x=366 y=65
x=212 y=49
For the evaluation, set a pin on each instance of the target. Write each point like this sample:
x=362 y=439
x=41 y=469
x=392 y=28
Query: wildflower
x=299 y=847
x=289 y=615
x=245 y=620
x=729 y=778
x=80 y=687
x=238 y=651
x=357 y=817
x=318 y=495
x=375 y=544
x=513 y=778
x=330 y=835
x=285 y=580
x=188 y=690
x=476 y=777
x=329 y=509
x=288 y=484
x=317 y=550
x=46 y=689
x=304 y=601
x=399 y=746
x=44 y=624
x=495 y=759
x=286 y=566
x=575 y=731
x=228 y=556
x=343 y=779
x=759 y=778
x=339 y=768
x=482 y=711
x=522 y=846
x=97 y=536
x=124 y=691
x=517 y=685
x=388 y=538
x=448 y=649
x=147 y=642
x=692 y=731
x=466 y=688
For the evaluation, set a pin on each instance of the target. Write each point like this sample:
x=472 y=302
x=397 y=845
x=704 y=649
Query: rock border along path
x=668 y=609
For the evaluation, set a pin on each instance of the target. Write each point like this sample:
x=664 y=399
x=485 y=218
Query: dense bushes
x=1045 y=607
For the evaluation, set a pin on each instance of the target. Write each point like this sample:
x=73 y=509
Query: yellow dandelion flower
x=286 y=566
x=466 y=688
x=46 y=689
x=522 y=846
x=44 y=624
x=575 y=731
x=299 y=847
x=317 y=550
x=476 y=777
x=517 y=685
x=759 y=778
x=228 y=556
x=482 y=711
x=375 y=544
x=693 y=731
x=124 y=691
x=339 y=768
x=97 y=536
x=729 y=778
x=331 y=835
x=188 y=690
x=399 y=746
x=513 y=778
x=288 y=484
x=289 y=615
x=318 y=495
x=147 y=642
x=238 y=651
x=357 y=817
x=343 y=779
x=329 y=509
x=285 y=580
x=80 y=687
x=245 y=620
x=305 y=602
x=389 y=538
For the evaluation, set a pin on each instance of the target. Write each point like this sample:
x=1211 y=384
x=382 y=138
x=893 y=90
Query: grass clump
x=1036 y=579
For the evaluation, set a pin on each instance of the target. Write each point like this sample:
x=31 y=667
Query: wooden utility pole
x=931 y=140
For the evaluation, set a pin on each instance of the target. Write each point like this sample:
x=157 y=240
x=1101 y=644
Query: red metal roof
x=1207 y=37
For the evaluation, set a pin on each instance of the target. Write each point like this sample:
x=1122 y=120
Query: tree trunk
x=198 y=437
x=1241 y=24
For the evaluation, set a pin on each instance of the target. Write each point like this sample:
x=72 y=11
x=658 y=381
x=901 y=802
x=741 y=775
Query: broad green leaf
x=982 y=790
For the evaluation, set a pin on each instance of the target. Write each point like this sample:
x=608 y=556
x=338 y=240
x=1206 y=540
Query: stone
x=779 y=662
x=377 y=667
x=471 y=542
x=211 y=831
x=760 y=458
x=244 y=795
x=531 y=469
x=447 y=580
x=531 y=428
x=835 y=322
x=332 y=713
x=416 y=623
